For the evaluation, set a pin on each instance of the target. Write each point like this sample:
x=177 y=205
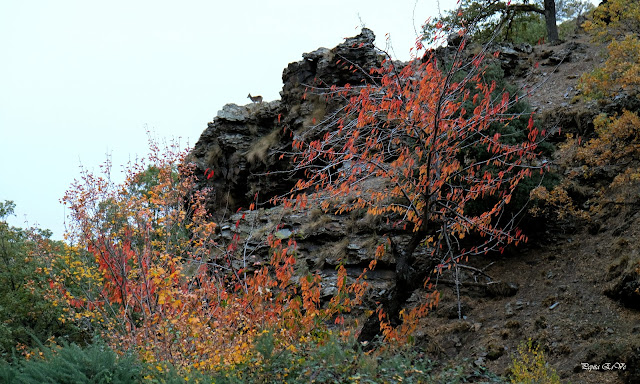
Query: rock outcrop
x=242 y=145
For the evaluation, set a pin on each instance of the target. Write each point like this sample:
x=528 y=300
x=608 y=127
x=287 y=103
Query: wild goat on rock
x=255 y=99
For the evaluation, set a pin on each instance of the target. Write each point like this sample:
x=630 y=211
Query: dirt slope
x=562 y=274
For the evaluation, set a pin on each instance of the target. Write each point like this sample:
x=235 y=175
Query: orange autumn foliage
x=147 y=270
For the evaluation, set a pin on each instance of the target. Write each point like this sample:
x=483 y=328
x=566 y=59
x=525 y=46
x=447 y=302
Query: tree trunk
x=407 y=280
x=550 y=19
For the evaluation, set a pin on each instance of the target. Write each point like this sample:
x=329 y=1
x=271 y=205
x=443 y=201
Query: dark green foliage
x=24 y=309
x=150 y=178
x=513 y=21
x=72 y=364
x=331 y=361
x=515 y=131
x=485 y=20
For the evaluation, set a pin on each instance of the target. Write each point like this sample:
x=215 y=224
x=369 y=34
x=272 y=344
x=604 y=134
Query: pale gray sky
x=83 y=78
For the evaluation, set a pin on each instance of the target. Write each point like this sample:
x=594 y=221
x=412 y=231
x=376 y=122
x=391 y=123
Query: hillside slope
x=571 y=289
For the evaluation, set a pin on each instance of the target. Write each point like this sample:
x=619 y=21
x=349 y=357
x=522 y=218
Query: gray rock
x=508 y=310
x=233 y=112
x=501 y=289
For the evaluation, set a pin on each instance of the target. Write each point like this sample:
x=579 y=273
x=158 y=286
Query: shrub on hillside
x=70 y=363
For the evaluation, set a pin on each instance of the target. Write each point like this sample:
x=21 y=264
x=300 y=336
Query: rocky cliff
x=247 y=148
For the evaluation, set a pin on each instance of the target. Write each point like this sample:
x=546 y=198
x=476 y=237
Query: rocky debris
x=495 y=350
x=569 y=119
x=501 y=289
x=450 y=309
x=514 y=59
x=620 y=102
x=510 y=308
x=551 y=81
x=626 y=290
x=577 y=118
x=565 y=54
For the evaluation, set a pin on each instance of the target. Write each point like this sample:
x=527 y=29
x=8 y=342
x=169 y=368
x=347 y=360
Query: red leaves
x=530 y=123
x=505 y=100
x=533 y=131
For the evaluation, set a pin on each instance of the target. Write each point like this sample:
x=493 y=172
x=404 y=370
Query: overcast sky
x=80 y=79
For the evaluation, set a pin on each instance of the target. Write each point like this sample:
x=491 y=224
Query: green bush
x=69 y=363
x=25 y=309
x=330 y=361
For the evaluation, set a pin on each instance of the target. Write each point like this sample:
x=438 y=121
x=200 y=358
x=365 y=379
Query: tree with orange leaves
x=150 y=272
x=426 y=146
